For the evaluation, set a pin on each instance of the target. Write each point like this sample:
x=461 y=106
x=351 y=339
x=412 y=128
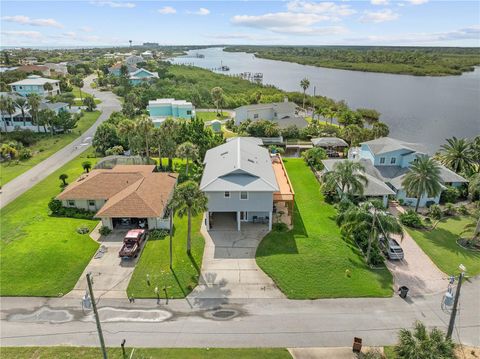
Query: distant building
x=116 y=69
x=141 y=76
x=147 y=55
x=282 y=113
x=162 y=108
x=134 y=60
x=60 y=68
x=28 y=60
x=44 y=70
x=35 y=84
x=150 y=44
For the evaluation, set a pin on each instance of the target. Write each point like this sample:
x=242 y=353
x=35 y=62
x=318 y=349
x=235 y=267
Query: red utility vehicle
x=132 y=243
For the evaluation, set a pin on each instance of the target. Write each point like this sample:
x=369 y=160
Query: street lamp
x=451 y=324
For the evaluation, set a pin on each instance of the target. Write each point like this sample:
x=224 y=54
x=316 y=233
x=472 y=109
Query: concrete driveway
x=229 y=269
x=416 y=270
x=110 y=273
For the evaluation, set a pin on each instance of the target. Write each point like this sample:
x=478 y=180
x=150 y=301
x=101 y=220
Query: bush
x=83 y=230
x=314 y=157
x=411 y=219
x=104 y=231
x=26 y=137
x=58 y=210
x=158 y=234
x=114 y=151
x=25 y=154
x=450 y=210
x=463 y=210
x=435 y=212
x=279 y=227
x=449 y=195
x=428 y=204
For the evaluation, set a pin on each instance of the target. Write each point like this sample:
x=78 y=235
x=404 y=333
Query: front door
x=243 y=216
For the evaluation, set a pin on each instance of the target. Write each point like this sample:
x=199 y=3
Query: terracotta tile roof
x=31 y=68
x=131 y=191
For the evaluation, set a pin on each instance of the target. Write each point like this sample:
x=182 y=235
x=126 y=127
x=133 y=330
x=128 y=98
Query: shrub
x=450 y=210
x=55 y=206
x=114 y=151
x=411 y=219
x=428 y=204
x=435 y=212
x=463 y=210
x=314 y=157
x=25 y=154
x=83 y=230
x=449 y=195
x=58 y=210
x=104 y=231
x=26 y=137
x=280 y=227
x=158 y=234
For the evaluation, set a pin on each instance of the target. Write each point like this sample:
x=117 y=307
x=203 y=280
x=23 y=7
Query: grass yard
x=155 y=262
x=440 y=245
x=152 y=353
x=43 y=255
x=45 y=147
x=210 y=116
x=311 y=260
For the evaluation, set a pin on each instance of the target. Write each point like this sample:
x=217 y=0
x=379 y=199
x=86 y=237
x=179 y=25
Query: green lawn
x=390 y=352
x=310 y=261
x=43 y=255
x=45 y=147
x=440 y=245
x=151 y=353
x=155 y=262
x=210 y=116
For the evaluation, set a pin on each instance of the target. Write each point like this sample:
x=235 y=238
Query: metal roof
x=329 y=142
x=388 y=144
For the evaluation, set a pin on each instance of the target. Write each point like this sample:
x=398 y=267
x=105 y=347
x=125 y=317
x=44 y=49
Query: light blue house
x=115 y=70
x=387 y=160
x=141 y=76
x=162 y=108
x=35 y=84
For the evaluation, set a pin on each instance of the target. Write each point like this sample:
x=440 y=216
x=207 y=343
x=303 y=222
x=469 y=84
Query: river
x=417 y=109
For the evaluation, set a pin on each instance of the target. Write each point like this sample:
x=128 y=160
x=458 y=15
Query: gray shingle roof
x=388 y=144
x=329 y=142
x=238 y=165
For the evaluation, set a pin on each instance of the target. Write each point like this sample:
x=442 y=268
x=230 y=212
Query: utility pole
x=451 y=324
x=97 y=319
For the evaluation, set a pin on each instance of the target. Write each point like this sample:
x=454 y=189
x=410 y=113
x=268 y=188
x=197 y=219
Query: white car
x=391 y=248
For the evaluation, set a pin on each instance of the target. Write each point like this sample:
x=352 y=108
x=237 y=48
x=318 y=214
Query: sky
x=292 y=22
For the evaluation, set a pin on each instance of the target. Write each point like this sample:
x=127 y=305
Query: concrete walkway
x=25 y=181
x=110 y=273
x=416 y=270
x=229 y=269
x=329 y=353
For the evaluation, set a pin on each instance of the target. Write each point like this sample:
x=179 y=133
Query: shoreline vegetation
x=417 y=61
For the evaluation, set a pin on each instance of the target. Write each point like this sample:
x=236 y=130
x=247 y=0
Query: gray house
x=241 y=182
x=282 y=113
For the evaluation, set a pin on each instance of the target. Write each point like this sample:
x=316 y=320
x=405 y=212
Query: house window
x=226 y=194
x=91 y=203
x=243 y=195
x=189 y=112
x=275 y=114
x=393 y=160
x=71 y=203
x=382 y=160
x=255 y=116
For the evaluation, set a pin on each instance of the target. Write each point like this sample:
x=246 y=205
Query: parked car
x=132 y=243
x=391 y=248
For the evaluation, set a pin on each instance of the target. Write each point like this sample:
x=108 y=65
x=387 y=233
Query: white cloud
x=167 y=10
x=243 y=36
x=202 y=12
x=379 y=2
x=468 y=33
x=25 y=20
x=417 y=2
x=379 y=16
x=22 y=34
x=86 y=29
x=327 y=8
x=114 y=4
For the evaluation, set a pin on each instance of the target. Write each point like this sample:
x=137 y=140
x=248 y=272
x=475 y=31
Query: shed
x=216 y=126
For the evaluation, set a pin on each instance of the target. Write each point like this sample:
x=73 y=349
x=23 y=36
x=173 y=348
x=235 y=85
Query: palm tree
x=21 y=104
x=63 y=178
x=48 y=87
x=126 y=128
x=158 y=137
x=8 y=106
x=457 y=155
x=87 y=166
x=423 y=177
x=348 y=176
x=367 y=219
x=217 y=96
x=190 y=200
x=188 y=151
x=144 y=127
x=419 y=343
x=34 y=101
x=169 y=145
x=304 y=84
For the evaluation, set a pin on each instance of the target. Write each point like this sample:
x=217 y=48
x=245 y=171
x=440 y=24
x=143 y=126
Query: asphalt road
x=255 y=322
x=25 y=181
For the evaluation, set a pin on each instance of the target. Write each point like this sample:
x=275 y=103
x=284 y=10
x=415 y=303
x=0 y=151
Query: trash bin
x=357 y=345
x=403 y=291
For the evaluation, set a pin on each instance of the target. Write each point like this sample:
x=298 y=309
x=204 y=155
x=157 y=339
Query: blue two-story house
x=36 y=84
x=387 y=160
x=162 y=108
x=141 y=76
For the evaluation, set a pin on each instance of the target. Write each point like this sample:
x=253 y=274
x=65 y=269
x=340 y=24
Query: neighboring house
x=387 y=160
x=35 y=84
x=124 y=196
x=115 y=70
x=141 y=76
x=28 y=60
x=147 y=55
x=17 y=122
x=334 y=146
x=282 y=113
x=44 y=70
x=243 y=183
x=133 y=60
x=60 y=68
x=162 y=108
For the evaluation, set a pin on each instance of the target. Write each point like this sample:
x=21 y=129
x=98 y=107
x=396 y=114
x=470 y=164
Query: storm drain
x=222 y=314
